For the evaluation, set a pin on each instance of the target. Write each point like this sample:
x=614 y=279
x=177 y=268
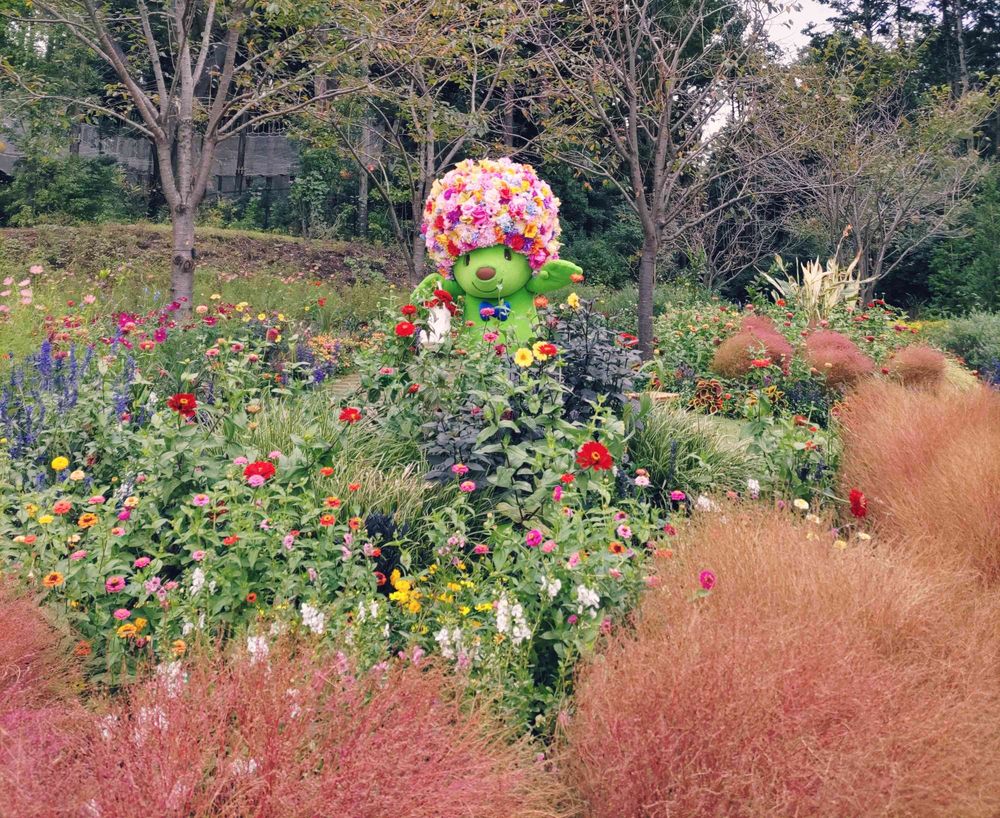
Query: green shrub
x=975 y=338
x=67 y=189
x=694 y=453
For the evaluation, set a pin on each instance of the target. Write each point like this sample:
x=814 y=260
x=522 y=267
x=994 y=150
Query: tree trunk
x=182 y=260
x=417 y=256
x=647 y=281
x=363 y=203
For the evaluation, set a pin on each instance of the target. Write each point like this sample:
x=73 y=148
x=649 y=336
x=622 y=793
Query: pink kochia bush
x=837 y=357
x=806 y=679
x=757 y=339
x=918 y=365
x=929 y=464
x=282 y=731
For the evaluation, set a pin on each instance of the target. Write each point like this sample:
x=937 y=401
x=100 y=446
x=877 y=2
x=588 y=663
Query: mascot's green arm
x=425 y=289
x=554 y=275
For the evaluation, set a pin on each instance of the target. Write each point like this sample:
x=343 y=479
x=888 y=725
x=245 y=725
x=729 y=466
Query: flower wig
x=488 y=202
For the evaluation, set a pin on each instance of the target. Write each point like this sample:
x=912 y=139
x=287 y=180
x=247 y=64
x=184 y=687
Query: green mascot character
x=492 y=228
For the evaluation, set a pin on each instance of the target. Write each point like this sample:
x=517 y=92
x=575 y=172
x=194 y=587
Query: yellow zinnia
x=126 y=631
x=45 y=519
x=523 y=357
x=87 y=520
x=60 y=463
x=573 y=300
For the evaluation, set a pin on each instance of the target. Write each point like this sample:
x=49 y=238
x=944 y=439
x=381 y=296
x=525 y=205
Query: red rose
x=261 y=468
x=183 y=403
x=408 y=309
x=594 y=455
x=859 y=503
x=350 y=415
x=404 y=329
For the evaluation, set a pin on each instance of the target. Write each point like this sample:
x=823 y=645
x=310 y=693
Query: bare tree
x=440 y=79
x=658 y=88
x=192 y=74
x=895 y=177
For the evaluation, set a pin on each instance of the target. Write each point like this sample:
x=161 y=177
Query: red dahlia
x=183 y=403
x=350 y=415
x=859 y=503
x=594 y=455
x=262 y=468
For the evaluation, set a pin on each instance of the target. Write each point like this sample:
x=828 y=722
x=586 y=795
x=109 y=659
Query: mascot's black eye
x=468 y=259
x=506 y=253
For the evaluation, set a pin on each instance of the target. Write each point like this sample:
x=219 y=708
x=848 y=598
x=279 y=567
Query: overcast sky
x=791 y=39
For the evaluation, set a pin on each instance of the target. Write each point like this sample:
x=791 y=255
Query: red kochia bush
x=930 y=467
x=734 y=355
x=837 y=357
x=918 y=365
x=297 y=735
x=810 y=682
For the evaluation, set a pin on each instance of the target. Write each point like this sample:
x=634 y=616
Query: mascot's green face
x=492 y=273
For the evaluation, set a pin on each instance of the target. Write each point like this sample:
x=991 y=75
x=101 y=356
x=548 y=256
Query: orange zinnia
x=53 y=580
x=87 y=520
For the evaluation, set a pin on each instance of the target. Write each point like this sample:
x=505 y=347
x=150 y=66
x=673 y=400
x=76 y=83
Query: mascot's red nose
x=485 y=273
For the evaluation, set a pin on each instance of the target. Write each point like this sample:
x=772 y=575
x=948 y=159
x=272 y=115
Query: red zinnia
x=594 y=455
x=408 y=309
x=404 y=329
x=568 y=478
x=232 y=539
x=262 y=468
x=183 y=403
x=380 y=579
x=859 y=503
x=326 y=471
x=350 y=414
x=252 y=598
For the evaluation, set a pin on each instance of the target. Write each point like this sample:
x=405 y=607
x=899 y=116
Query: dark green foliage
x=975 y=338
x=965 y=272
x=66 y=190
x=599 y=364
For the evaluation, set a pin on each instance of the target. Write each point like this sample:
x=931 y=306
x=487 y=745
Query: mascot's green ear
x=554 y=275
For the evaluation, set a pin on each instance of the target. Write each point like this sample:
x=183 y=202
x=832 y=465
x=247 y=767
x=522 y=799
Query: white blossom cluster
x=313 y=618
x=551 y=587
x=197 y=581
x=588 y=600
x=258 y=648
x=510 y=621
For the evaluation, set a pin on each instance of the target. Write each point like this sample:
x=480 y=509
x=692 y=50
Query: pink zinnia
x=467 y=486
x=533 y=538
x=557 y=493
x=198 y=556
x=548 y=546
x=460 y=469
x=142 y=562
x=77 y=555
x=256 y=480
x=481 y=549
x=122 y=613
x=115 y=584
x=707 y=580
x=678 y=496
x=574 y=560
x=201 y=500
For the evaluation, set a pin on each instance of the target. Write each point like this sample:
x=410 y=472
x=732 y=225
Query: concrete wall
x=267 y=155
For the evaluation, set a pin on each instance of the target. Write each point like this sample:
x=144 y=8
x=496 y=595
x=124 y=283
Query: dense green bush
x=67 y=189
x=976 y=339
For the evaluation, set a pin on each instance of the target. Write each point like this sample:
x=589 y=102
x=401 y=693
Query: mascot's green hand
x=425 y=289
x=554 y=275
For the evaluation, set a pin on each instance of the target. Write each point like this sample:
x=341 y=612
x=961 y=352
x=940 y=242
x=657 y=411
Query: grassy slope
x=127 y=268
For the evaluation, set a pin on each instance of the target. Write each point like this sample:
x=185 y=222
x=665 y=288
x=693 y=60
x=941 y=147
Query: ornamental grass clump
x=930 y=466
x=777 y=671
x=918 y=365
x=837 y=358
